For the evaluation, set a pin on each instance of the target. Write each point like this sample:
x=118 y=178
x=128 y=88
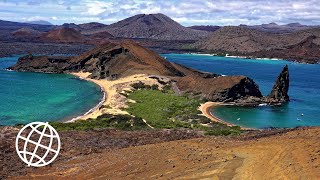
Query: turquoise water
x=27 y=97
x=304 y=90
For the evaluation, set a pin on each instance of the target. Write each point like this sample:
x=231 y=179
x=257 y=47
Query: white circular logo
x=38 y=144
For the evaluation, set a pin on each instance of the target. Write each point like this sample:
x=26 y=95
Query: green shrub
x=123 y=122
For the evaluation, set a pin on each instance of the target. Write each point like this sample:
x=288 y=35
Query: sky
x=186 y=12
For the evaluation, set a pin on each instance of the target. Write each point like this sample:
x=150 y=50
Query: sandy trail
x=113 y=102
x=292 y=155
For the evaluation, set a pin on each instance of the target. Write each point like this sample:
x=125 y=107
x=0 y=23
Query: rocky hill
x=26 y=33
x=220 y=89
x=85 y=28
x=153 y=26
x=7 y=28
x=66 y=35
x=279 y=29
x=205 y=28
x=249 y=42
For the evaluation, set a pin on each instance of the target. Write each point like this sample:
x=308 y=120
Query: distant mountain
x=26 y=31
x=153 y=26
x=205 y=28
x=275 y=28
x=40 y=22
x=85 y=28
x=8 y=28
x=26 y=34
x=12 y=26
x=301 y=45
x=66 y=35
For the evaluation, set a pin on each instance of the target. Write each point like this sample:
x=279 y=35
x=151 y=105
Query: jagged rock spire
x=280 y=89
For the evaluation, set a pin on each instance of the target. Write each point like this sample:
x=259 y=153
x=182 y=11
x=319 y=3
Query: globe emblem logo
x=38 y=144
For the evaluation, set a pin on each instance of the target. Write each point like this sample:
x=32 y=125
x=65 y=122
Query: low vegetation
x=161 y=109
x=122 y=122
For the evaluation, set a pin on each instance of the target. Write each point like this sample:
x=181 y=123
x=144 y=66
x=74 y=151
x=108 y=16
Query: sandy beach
x=205 y=109
x=113 y=101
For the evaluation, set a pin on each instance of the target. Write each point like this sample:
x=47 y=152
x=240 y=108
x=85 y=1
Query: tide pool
x=304 y=91
x=27 y=97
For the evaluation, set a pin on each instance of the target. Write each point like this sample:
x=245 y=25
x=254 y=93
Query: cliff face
x=281 y=87
x=221 y=89
x=45 y=64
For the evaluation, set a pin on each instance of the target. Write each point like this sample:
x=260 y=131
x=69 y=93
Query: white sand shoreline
x=103 y=99
x=113 y=101
x=241 y=57
x=206 y=111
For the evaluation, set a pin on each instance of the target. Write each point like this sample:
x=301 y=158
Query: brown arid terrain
x=269 y=154
x=302 y=46
x=64 y=35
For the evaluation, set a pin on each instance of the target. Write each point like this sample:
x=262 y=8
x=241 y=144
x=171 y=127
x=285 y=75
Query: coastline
x=95 y=108
x=205 y=109
x=241 y=57
x=112 y=102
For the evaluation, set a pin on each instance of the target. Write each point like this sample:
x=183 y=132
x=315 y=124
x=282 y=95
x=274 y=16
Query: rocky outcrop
x=219 y=89
x=237 y=90
x=45 y=64
x=280 y=89
x=278 y=95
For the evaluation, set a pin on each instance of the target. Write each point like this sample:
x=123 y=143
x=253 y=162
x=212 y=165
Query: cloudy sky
x=186 y=12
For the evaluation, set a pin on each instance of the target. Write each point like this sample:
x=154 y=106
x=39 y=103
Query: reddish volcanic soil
x=287 y=155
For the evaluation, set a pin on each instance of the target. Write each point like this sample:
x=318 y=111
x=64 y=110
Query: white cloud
x=188 y=12
x=97 y=7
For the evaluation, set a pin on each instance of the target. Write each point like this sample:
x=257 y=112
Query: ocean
x=304 y=91
x=27 y=97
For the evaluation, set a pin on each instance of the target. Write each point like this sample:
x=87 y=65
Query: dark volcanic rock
x=281 y=87
x=222 y=89
x=44 y=64
x=278 y=95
